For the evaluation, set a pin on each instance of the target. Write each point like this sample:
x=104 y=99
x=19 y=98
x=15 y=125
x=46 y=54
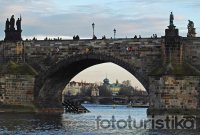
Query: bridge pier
x=48 y=106
x=178 y=111
x=173 y=94
x=50 y=110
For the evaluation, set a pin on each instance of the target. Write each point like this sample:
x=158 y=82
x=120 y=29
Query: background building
x=74 y=88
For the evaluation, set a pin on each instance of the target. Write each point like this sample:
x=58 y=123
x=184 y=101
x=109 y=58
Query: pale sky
x=69 y=17
x=112 y=71
x=65 y=18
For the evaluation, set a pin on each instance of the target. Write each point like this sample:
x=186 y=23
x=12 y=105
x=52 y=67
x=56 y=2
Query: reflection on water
x=77 y=124
x=29 y=123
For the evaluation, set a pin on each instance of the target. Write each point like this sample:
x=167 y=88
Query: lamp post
x=114 y=32
x=93 y=28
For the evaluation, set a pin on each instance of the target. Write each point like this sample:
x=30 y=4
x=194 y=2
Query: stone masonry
x=175 y=60
x=17 y=90
x=173 y=92
x=143 y=54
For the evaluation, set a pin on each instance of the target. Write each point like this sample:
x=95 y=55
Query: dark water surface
x=78 y=124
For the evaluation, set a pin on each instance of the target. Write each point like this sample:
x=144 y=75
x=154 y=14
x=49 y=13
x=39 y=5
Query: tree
x=104 y=90
x=130 y=91
x=126 y=91
x=85 y=91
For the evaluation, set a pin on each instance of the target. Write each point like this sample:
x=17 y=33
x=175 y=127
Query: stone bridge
x=164 y=66
x=57 y=62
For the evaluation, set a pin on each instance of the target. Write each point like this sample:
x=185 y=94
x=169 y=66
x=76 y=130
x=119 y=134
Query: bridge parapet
x=144 y=54
x=138 y=56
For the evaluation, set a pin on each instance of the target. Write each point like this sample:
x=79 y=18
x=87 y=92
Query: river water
x=82 y=124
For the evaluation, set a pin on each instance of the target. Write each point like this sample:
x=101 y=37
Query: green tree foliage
x=104 y=90
x=130 y=91
x=85 y=91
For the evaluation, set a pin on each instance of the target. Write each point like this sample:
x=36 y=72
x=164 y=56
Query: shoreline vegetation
x=17 y=69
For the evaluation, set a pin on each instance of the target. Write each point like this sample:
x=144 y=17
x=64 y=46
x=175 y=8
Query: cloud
x=128 y=17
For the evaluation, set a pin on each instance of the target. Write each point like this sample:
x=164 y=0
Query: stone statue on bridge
x=12 y=34
x=171 y=19
x=18 y=23
x=191 y=29
x=7 y=25
x=12 y=23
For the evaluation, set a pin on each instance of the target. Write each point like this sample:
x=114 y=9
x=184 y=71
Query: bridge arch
x=50 y=84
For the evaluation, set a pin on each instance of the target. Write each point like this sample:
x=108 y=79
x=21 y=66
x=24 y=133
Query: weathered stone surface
x=58 y=61
x=17 y=90
x=171 y=92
